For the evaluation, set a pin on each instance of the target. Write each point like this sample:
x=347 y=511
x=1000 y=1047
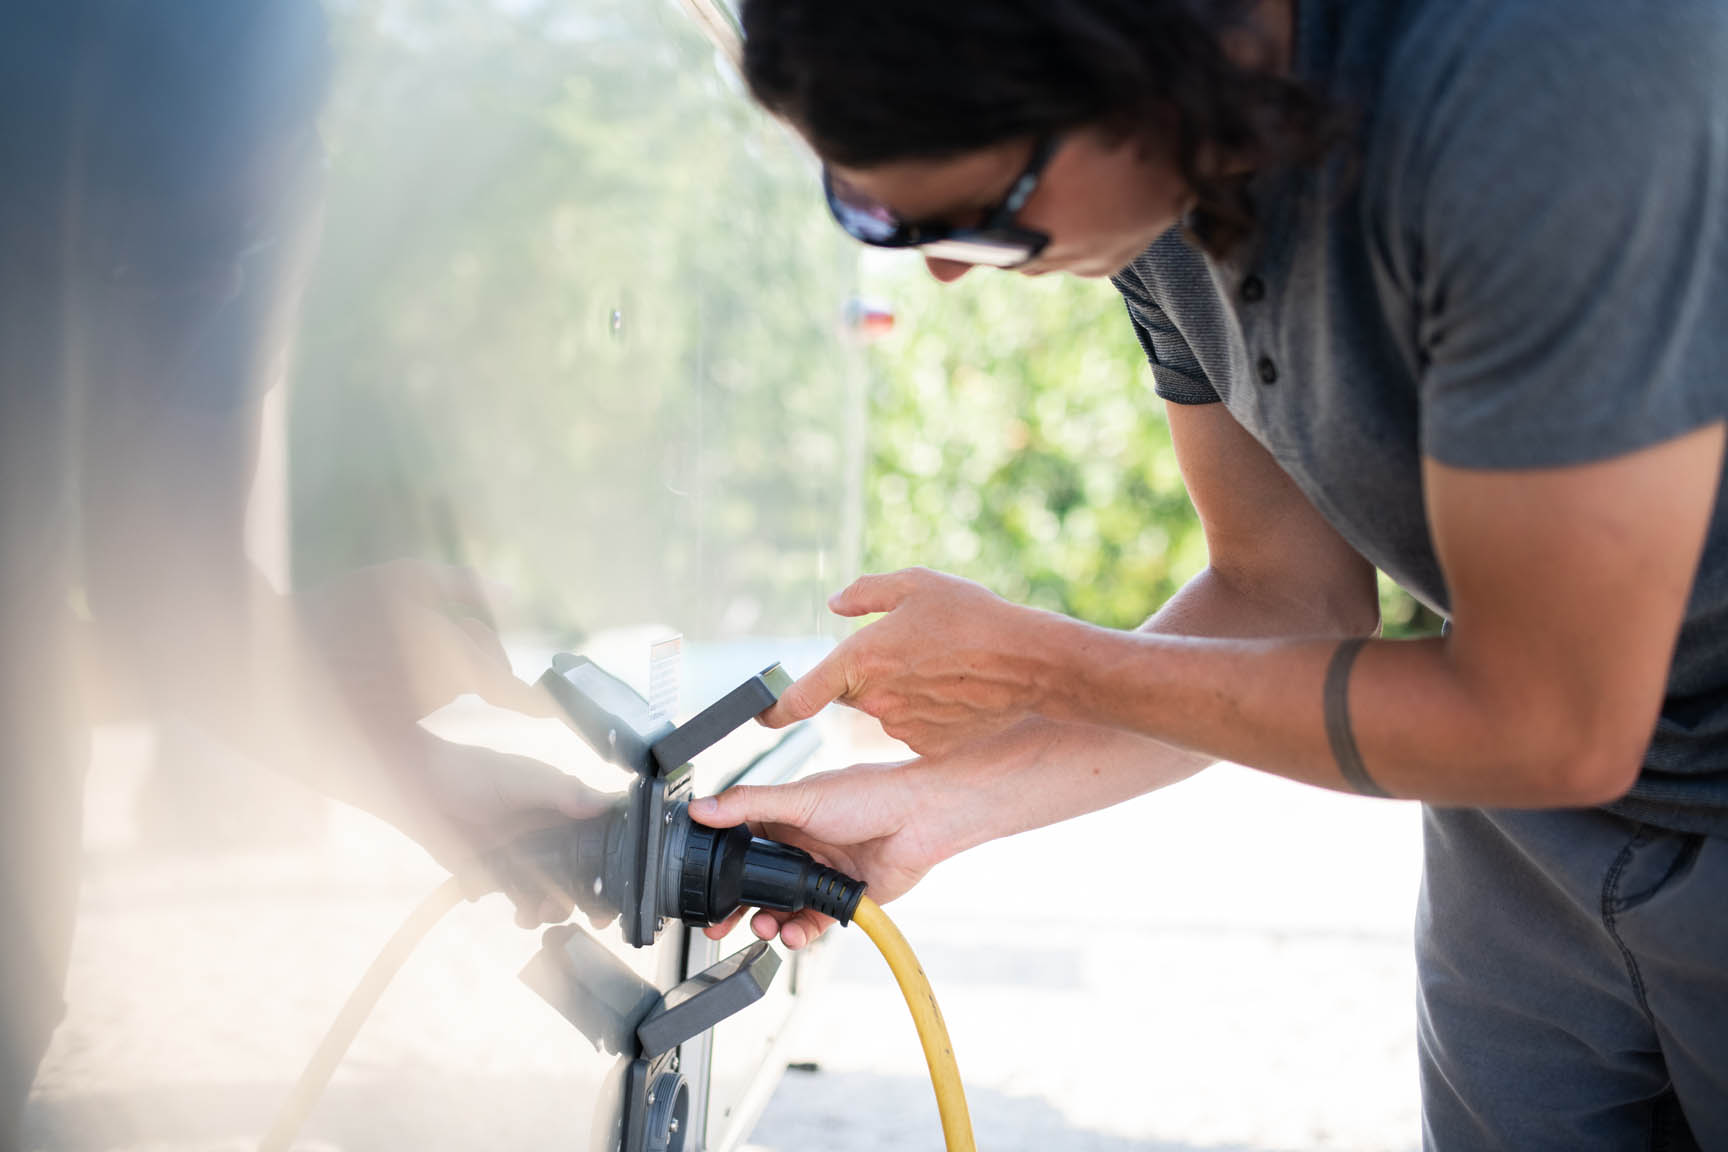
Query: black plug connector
x=710 y=872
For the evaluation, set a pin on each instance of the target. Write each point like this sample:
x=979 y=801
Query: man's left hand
x=949 y=663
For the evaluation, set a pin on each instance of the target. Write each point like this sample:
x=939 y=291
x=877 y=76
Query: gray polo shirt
x=1521 y=262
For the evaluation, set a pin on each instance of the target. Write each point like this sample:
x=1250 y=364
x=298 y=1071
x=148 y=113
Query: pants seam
x=1610 y=910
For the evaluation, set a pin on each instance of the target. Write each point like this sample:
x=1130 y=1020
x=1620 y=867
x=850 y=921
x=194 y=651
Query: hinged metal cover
x=708 y=997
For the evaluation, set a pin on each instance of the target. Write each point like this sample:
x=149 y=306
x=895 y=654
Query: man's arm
x=1276 y=569
x=1568 y=583
x=1568 y=586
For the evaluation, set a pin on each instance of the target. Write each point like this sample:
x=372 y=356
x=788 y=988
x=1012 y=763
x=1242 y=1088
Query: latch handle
x=713 y=994
x=606 y=712
x=705 y=729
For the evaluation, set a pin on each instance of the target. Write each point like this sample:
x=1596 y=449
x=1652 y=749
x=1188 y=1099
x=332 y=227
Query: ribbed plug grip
x=780 y=876
x=835 y=894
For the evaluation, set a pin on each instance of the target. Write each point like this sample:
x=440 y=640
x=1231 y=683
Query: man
x=1438 y=287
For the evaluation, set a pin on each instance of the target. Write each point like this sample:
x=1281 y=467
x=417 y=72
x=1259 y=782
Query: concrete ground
x=1224 y=966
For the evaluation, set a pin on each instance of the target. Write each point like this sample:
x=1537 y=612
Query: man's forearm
x=1045 y=771
x=1545 y=694
x=1426 y=731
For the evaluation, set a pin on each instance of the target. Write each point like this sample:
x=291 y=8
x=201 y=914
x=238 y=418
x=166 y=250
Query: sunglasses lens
x=862 y=218
x=875 y=223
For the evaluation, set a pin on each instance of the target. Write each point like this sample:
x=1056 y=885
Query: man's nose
x=947 y=271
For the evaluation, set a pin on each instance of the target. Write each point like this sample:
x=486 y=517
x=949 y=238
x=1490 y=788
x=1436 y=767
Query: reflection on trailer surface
x=569 y=318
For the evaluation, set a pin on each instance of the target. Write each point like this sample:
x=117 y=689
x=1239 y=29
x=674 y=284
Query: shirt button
x=1253 y=289
x=1268 y=370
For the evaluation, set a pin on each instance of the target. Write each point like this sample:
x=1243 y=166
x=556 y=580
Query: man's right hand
x=889 y=824
x=875 y=822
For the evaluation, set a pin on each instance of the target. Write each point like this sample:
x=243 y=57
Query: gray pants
x=1573 y=971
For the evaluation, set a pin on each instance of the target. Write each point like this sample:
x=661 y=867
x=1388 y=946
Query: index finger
x=811 y=692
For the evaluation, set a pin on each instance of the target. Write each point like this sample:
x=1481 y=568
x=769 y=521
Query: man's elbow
x=1584 y=767
x=1359 y=618
x=1331 y=605
x=1343 y=610
x=1599 y=779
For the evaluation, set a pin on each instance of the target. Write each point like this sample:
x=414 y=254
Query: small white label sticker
x=665 y=668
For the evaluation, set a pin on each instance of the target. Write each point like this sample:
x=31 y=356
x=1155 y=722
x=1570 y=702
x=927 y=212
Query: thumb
x=876 y=593
x=753 y=804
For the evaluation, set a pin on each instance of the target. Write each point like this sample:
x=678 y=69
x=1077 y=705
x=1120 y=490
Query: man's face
x=1100 y=200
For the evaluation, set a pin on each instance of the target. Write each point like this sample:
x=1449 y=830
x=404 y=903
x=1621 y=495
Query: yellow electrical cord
x=932 y=1032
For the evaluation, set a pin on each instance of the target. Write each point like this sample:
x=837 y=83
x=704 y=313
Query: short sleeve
x=1572 y=236
x=1176 y=372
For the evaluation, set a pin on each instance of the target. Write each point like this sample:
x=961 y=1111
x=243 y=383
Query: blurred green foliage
x=1015 y=439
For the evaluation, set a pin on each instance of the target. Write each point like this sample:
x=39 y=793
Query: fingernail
x=706 y=806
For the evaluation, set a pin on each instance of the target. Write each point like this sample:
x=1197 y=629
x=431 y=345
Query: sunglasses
x=999 y=241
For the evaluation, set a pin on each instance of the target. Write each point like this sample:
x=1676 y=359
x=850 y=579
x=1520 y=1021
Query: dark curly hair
x=873 y=81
